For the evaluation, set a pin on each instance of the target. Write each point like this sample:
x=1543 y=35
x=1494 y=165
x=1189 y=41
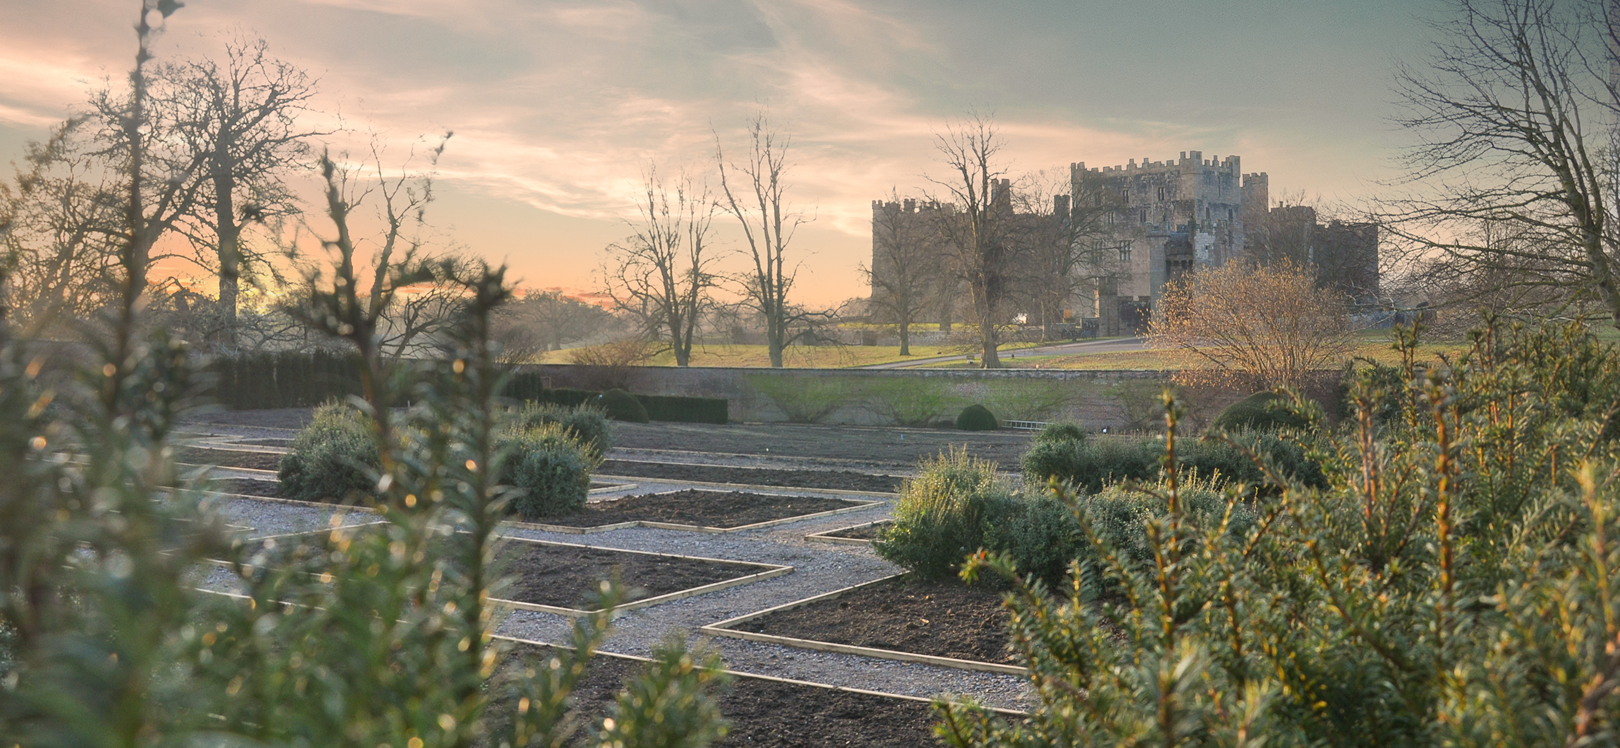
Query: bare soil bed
x=771 y=714
x=828 y=479
x=942 y=619
x=859 y=532
x=231 y=458
x=701 y=508
x=689 y=507
x=564 y=576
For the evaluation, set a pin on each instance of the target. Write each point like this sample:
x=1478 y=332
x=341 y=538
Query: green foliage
x=1090 y=465
x=803 y=399
x=1232 y=458
x=622 y=406
x=549 y=468
x=1448 y=581
x=945 y=513
x=334 y=457
x=1262 y=411
x=586 y=424
x=910 y=401
x=976 y=417
x=671 y=704
x=1061 y=431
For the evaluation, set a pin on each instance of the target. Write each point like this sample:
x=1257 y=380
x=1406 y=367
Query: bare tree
x=977 y=226
x=65 y=223
x=241 y=118
x=662 y=275
x=905 y=270
x=1251 y=326
x=411 y=295
x=755 y=193
x=1510 y=112
x=547 y=321
x=1068 y=232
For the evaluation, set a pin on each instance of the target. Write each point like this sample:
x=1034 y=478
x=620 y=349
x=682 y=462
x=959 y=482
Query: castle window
x=1161 y=194
x=1125 y=253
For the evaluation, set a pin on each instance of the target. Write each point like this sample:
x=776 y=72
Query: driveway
x=1109 y=345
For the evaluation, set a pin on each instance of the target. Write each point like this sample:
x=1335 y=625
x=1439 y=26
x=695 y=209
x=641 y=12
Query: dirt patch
x=230 y=458
x=247 y=487
x=565 y=576
x=942 y=619
x=771 y=714
x=266 y=442
x=689 y=507
x=700 y=508
x=860 y=532
x=843 y=480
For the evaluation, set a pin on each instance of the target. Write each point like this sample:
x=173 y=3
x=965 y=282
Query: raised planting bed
x=769 y=712
x=231 y=458
x=561 y=577
x=694 y=509
x=841 y=480
x=899 y=618
x=862 y=534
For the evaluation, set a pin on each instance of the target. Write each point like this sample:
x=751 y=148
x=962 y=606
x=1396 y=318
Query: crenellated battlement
x=1230 y=164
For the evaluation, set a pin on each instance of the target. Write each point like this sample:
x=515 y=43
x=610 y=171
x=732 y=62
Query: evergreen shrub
x=1061 y=431
x=1262 y=411
x=551 y=470
x=622 y=406
x=334 y=457
x=945 y=513
x=586 y=424
x=976 y=417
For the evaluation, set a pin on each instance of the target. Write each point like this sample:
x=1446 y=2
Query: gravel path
x=817 y=568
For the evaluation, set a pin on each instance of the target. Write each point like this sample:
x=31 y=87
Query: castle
x=1145 y=225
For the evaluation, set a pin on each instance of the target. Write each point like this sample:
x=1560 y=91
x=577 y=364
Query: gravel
x=818 y=568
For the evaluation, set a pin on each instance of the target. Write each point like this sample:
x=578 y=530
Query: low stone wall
x=1117 y=400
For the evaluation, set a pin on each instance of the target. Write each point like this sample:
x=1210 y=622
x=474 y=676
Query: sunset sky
x=559 y=106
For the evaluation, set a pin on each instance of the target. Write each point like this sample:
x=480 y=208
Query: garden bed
x=772 y=713
x=231 y=458
x=717 y=511
x=720 y=510
x=862 y=534
x=900 y=617
x=843 y=480
x=562 y=577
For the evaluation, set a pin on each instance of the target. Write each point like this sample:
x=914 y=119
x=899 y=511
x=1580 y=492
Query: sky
x=558 y=108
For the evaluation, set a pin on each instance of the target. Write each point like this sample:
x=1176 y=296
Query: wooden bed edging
x=724 y=628
x=761 y=676
x=826 y=536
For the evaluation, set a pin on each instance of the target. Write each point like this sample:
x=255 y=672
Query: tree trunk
x=905 y=338
x=230 y=255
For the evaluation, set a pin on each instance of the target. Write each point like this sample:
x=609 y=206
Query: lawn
x=1370 y=344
